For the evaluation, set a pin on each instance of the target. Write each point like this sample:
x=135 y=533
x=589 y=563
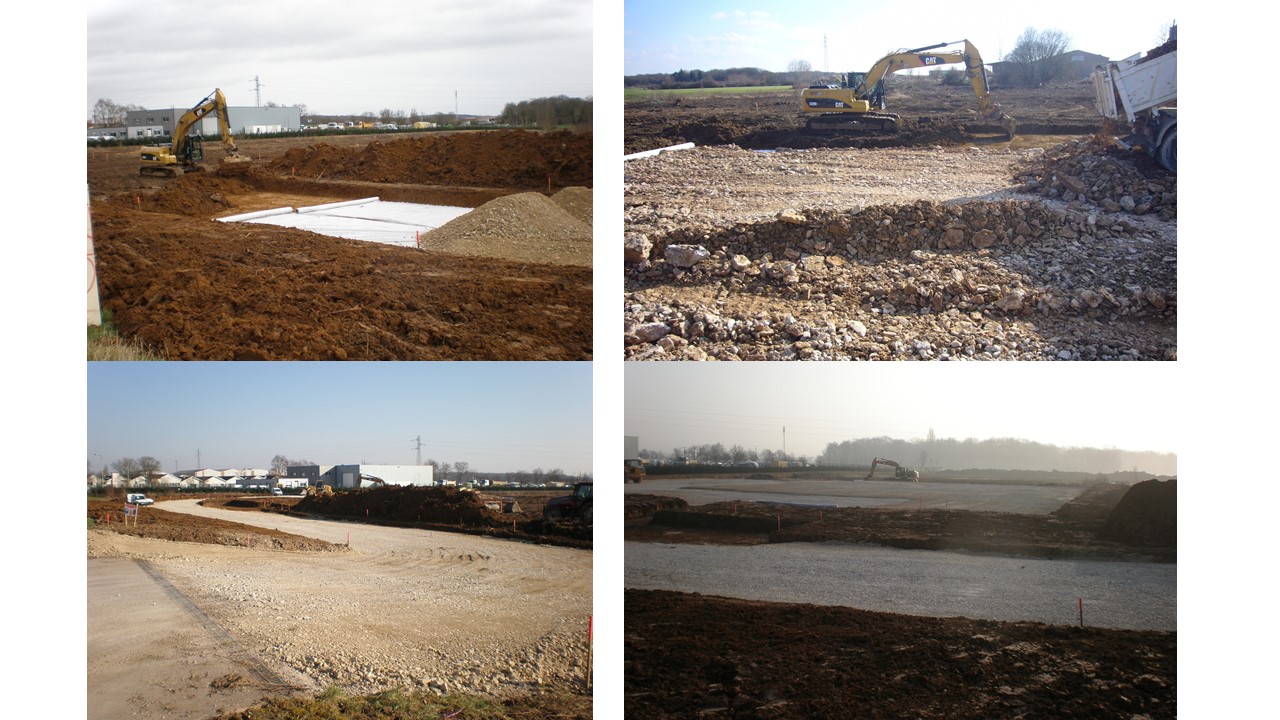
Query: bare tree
x=280 y=466
x=801 y=73
x=127 y=466
x=443 y=468
x=148 y=466
x=1039 y=55
x=461 y=467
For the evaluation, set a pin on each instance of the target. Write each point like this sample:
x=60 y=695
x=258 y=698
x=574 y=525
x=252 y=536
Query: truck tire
x=552 y=515
x=1168 y=153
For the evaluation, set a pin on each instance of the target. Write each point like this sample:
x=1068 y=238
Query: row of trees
x=995 y=454
x=547 y=112
x=717 y=453
x=1037 y=57
x=933 y=454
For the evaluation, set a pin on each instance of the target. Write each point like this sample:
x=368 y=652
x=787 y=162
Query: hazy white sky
x=668 y=35
x=1121 y=405
x=495 y=416
x=340 y=58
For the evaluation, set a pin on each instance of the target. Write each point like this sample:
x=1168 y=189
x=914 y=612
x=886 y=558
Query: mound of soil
x=1146 y=515
x=526 y=226
x=696 y=656
x=1074 y=531
x=499 y=158
x=180 y=527
x=1095 y=172
x=406 y=503
x=446 y=508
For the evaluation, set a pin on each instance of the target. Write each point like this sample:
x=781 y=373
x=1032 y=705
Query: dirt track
x=945 y=241
x=400 y=608
x=516 y=285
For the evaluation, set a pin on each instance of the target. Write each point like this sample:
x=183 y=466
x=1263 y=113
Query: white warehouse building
x=362 y=475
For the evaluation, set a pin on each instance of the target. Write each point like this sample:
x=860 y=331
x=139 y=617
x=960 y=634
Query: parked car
x=138 y=499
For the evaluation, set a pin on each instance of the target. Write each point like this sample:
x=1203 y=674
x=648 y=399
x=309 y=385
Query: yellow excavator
x=185 y=152
x=857 y=103
x=899 y=472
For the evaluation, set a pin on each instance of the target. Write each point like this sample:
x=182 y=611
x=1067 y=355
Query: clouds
x=347 y=58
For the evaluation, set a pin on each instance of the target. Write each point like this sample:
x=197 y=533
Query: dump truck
x=1141 y=91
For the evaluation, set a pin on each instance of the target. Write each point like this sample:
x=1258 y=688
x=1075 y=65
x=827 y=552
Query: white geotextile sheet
x=371 y=220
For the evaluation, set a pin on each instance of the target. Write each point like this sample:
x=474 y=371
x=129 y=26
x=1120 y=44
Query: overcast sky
x=1119 y=405
x=495 y=416
x=668 y=35
x=340 y=58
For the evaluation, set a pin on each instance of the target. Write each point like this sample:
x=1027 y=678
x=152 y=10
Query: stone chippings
x=983 y=280
x=1088 y=173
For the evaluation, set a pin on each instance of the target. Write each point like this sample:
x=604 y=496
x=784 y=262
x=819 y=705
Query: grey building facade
x=244 y=121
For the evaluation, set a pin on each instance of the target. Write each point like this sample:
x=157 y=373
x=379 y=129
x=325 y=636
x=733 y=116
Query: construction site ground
x=688 y=653
x=199 y=611
x=510 y=280
x=945 y=240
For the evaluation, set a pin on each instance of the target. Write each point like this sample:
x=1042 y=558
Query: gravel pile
x=523 y=227
x=1088 y=174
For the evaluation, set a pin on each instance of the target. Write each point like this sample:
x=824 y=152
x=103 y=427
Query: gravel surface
x=1127 y=595
x=400 y=608
x=951 y=253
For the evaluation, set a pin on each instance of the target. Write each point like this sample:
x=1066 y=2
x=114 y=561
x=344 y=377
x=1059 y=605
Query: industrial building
x=362 y=475
x=244 y=121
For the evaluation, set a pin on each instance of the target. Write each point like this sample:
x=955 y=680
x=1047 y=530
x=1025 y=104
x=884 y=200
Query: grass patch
x=105 y=343
x=336 y=704
x=648 y=95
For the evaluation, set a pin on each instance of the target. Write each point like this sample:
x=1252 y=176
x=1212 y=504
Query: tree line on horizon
x=933 y=454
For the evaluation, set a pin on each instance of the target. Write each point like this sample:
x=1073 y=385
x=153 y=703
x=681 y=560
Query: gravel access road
x=1127 y=595
x=401 y=607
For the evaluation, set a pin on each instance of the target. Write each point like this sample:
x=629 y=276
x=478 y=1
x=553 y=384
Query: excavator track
x=854 y=123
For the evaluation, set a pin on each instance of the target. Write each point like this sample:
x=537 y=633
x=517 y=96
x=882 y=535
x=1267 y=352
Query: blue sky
x=664 y=36
x=495 y=416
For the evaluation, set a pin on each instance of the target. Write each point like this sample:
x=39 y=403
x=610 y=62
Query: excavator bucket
x=235 y=165
x=1009 y=124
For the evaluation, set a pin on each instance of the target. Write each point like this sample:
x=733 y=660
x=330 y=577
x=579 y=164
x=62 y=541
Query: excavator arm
x=185 y=151
x=868 y=92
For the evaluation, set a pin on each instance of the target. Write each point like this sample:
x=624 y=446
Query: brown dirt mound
x=180 y=527
x=498 y=158
x=406 y=503
x=451 y=509
x=1146 y=515
x=525 y=226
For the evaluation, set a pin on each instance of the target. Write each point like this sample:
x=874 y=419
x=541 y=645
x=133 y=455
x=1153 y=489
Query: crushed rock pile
x=945 y=271
x=1090 y=173
x=490 y=158
x=525 y=227
x=577 y=201
x=1146 y=515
